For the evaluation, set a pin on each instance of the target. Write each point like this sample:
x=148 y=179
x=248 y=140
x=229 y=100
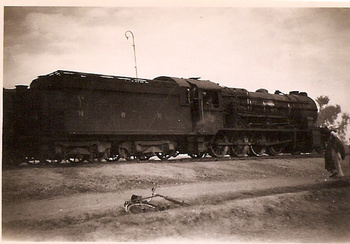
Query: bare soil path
x=255 y=200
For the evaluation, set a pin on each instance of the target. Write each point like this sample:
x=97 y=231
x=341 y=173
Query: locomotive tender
x=82 y=116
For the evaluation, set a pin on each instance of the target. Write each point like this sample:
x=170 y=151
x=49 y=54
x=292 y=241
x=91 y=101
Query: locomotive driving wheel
x=240 y=146
x=276 y=146
x=257 y=144
x=218 y=147
x=296 y=151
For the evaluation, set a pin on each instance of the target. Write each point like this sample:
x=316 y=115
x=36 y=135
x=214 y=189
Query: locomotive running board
x=248 y=143
x=261 y=130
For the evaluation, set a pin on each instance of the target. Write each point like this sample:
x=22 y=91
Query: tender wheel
x=197 y=155
x=143 y=157
x=88 y=158
x=76 y=159
x=176 y=153
x=104 y=156
x=101 y=156
x=275 y=149
x=240 y=147
x=217 y=147
x=32 y=161
x=13 y=161
x=44 y=161
x=258 y=144
x=123 y=153
x=163 y=156
x=113 y=158
x=59 y=154
x=136 y=208
x=57 y=161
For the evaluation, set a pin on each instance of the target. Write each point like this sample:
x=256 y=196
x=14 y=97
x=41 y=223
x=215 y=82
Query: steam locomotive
x=75 y=116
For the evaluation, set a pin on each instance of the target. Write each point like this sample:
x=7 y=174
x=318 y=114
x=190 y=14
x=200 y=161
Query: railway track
x=178 y=159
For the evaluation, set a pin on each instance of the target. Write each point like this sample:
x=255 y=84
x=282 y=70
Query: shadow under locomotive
x=78 y=117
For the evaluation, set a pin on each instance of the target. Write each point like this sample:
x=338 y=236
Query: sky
x=276 y=48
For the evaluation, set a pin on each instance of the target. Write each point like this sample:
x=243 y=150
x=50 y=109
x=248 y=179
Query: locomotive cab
x=205 y=101
x=206 y=108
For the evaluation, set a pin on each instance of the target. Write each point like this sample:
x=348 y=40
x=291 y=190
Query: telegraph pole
x=133 y=45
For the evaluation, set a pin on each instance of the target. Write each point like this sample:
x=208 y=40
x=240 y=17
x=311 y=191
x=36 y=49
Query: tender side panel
x=82 y=104
x=123 y=112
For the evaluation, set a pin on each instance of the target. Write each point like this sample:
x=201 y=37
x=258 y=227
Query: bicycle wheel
x=138 y=207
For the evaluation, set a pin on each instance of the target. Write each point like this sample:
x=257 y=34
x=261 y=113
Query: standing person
x=335 y=152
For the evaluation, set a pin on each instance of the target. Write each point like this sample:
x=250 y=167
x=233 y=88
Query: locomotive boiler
x=75 y=116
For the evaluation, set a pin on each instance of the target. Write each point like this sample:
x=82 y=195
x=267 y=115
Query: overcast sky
x=305 y=49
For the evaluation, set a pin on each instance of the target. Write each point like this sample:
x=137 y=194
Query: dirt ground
x=257 y=200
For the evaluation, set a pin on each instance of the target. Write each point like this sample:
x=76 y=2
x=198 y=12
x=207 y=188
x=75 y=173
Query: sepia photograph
x=164 y=121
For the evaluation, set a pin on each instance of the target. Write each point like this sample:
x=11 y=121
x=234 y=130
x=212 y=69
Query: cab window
x=185 y=96
x=210 y=99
